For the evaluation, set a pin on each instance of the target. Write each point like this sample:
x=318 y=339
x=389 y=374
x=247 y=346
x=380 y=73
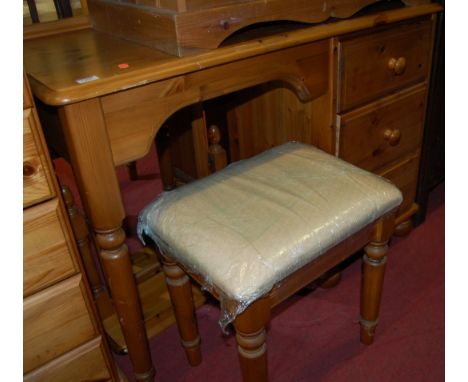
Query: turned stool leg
x=180 y=291
x=373 y=270
x=251 y=340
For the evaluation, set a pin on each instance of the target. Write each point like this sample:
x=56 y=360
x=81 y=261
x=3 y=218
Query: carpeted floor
x=315 y=336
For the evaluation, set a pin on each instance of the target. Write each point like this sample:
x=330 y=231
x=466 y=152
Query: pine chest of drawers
x=62 y=339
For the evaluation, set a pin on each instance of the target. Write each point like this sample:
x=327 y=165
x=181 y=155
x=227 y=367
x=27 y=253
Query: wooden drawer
x=55 y=321
x=85 y=363
x=365 y=62
x=384 y=131
x=37 y=183
x=47 y=254
x=405 y=176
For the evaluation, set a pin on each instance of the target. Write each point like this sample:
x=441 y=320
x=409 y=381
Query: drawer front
x=55 y=321
x=405 y=176
x=382 y=62
x=37 y=185
x=47 y=256
x=384 y=131
x=85 y=363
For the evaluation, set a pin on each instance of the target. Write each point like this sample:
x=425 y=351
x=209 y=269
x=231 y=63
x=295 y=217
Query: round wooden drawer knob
x=397 y=65
x=392 y=136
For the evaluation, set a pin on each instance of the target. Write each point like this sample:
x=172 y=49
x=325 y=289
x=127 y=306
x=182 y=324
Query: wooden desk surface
x=59 y=66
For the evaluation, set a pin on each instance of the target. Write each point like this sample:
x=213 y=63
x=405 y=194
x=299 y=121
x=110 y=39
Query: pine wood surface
x=204 y=27
x=27 y=100
x=85 y=362
x=183 y=28
x=55 y=27
x=303 y=69
x=81 y=54
x=271 y=114
x=363 y=132
x=365 y=72
x=404 y=174
x=91 y=158
x=55 y=321
x=47 y=255
x=37 y=180
x=58 y=314
x=157 y=310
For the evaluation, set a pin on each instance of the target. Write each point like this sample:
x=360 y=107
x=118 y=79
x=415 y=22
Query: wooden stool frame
x=251 y=325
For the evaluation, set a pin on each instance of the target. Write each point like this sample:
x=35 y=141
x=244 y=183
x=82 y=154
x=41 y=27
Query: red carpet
x=316 y=337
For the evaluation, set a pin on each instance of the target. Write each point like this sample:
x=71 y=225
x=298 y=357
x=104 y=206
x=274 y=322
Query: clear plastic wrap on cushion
x=247 y=227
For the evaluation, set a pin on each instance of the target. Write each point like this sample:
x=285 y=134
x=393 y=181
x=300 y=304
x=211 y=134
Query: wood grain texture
x=157 y=309
x=303 y=69
x=37 y=179
x=55 y=63
x=55 y=321
x=364 y=62
x=56 y=27
x=200 y=141
x=27 y=98
x=189 y=27
x=404 y=175
x=61 y=317
x=363 y=141
x=84 y=363
x=91 y=158
x=86 y=137
x=270 y=115
x=47 y=256
x=191 y=5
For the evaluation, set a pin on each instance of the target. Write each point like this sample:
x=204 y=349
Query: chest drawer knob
x=397 y=65
x=392 y=136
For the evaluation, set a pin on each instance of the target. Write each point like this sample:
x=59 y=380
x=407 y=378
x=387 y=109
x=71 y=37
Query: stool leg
x=373 y=270
x=251 y=341
x=180 y=291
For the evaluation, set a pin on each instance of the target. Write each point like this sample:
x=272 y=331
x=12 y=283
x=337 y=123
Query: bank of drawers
x=381 y=101
x=61 y=337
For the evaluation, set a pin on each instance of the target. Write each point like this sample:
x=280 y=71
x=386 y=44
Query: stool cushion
x=247 y=227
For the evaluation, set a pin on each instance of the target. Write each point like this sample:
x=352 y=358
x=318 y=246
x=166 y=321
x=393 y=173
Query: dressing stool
x=259 y=230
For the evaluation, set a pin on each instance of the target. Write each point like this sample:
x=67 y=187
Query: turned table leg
x=180 y=290
x=251 y=341
x=91 y=158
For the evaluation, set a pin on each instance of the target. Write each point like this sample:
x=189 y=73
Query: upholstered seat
x=244 y=229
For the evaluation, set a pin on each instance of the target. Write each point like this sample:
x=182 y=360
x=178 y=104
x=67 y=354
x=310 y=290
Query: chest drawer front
x=55 y=321
x=374 y=65
x=405 y=176
x=46 y=253
x=85 y=363
x=384 y=131
x=36 y=182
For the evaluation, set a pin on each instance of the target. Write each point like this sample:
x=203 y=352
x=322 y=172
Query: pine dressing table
x=112 y=96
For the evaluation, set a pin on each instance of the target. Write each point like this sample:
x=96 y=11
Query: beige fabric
x=252 y=224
